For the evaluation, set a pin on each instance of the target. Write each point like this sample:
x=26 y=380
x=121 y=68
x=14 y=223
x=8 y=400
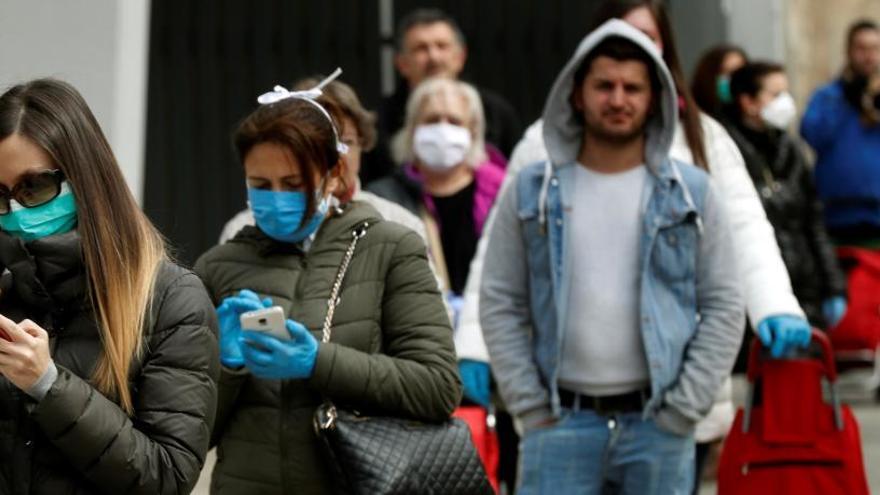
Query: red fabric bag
x=793 y=442
x=482 y=425
x=860 y=327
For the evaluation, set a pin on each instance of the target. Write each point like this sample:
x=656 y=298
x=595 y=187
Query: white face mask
x=441 y=146
x=780 y=112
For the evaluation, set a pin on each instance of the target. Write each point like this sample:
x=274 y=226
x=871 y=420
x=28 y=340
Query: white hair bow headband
x=280 y=93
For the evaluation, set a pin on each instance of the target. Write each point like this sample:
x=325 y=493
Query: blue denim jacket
x=691 y=308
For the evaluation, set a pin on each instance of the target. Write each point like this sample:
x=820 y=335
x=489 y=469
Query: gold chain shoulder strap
x=356 y=235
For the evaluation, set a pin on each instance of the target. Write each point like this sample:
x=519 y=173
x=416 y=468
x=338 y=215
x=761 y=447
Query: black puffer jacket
x=781 y=174
x=77 y=441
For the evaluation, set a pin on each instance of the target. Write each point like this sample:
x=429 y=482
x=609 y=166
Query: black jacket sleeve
x=162 y=447
x=833 y=281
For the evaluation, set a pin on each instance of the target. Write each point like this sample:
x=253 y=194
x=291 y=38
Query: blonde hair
x=402 y=142
x=122 y=292
x=122 y=250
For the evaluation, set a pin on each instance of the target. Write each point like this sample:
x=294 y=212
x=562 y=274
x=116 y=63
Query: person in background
x=610 y=303
x=108 y=350
x=711 y=81
x=842 y=124
x=772 y=308
x=447 y=179
x=391 y=351
x=429 y=44
x=359 y=135
x=758 y=119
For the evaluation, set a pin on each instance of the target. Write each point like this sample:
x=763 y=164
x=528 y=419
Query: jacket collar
x=666 y=178
x=44 y=273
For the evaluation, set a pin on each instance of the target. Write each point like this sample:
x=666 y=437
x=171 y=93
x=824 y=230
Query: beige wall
x=815 y=32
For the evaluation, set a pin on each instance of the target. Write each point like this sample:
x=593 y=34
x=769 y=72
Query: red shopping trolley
x=792 y=441
x=856 y=339
x=481 y=422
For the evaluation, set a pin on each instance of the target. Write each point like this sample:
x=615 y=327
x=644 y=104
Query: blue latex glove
x=268 y=357
x=833 y=310
x=782 y=333
x=475 y=378
x=228 y=314
x=456 y=304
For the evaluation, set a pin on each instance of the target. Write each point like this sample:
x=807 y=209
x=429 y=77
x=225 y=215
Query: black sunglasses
x=32 y=190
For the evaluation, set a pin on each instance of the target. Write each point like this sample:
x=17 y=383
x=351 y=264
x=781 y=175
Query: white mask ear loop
x=280 y=93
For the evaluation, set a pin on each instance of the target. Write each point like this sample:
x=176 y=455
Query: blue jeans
x=585 y=453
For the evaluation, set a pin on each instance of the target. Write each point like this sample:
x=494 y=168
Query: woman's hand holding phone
x=24 y=352
x=271 y=358
x=229 y=315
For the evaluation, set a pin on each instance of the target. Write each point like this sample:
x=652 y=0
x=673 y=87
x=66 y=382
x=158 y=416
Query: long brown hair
x=303 y=130
x=122 y=250
x=690 y=115
x=704 y=85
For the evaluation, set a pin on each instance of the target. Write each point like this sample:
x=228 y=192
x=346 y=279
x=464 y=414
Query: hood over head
x=563 y=131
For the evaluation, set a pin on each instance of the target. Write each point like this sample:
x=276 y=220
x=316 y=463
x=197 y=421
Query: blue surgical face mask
x=280 y=214
x=723 y=89
x=55 y=217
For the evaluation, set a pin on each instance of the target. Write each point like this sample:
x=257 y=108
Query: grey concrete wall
x=698 y=25
x=99 y=46
x=756 y=26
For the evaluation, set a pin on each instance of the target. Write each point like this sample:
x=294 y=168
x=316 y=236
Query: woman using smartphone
x=391 y=351
x=108 y=351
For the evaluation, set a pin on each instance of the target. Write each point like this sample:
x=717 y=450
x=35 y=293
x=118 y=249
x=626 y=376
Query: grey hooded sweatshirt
x=523 y=330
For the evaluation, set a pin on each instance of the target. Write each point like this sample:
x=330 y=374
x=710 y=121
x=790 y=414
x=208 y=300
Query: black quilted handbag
x=380 y=455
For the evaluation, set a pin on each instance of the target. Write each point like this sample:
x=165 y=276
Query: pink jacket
x=488 y=177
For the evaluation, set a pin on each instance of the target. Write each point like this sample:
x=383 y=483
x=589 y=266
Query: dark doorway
x=209 y=59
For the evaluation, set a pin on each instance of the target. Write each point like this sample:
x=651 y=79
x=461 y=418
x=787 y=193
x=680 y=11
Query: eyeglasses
x=32 y=190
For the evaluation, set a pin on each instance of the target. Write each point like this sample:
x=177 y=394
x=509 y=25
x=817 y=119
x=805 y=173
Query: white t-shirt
x=602 y=352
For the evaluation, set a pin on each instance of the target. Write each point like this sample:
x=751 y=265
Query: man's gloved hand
x=228 y=314
x=271 y=358
x=475 y=378
x=783 y=333
x=833 y=310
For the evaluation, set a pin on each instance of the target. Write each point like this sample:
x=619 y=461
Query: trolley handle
x=830 y=372
x=818 y=336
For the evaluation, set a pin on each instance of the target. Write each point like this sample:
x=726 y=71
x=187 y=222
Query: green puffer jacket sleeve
x=162 y=448
x=416 y=374
x=231 y=380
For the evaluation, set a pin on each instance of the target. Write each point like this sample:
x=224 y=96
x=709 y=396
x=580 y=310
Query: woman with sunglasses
x=391 y=350
x=108 y=351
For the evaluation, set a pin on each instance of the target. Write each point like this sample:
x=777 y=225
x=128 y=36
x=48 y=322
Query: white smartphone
x=269 y=320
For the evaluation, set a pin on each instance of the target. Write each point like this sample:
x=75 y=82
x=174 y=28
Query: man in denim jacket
x=610 y=303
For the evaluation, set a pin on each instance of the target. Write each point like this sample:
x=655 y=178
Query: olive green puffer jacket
x=77 y=441
x=391 y=350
